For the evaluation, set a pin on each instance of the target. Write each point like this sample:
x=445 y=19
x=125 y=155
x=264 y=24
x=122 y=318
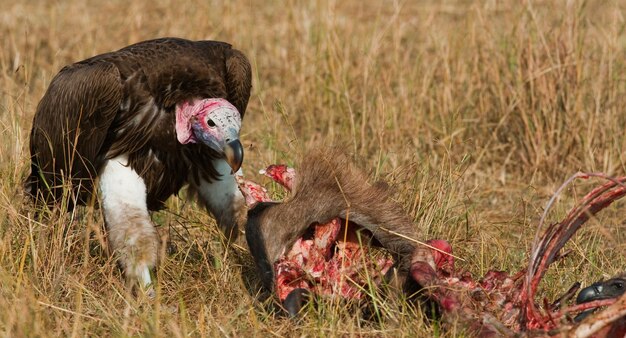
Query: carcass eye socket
x=210 y=122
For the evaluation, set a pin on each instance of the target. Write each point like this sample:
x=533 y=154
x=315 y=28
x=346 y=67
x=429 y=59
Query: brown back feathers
x=123 y=102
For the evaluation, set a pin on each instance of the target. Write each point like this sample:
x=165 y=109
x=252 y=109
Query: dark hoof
x=296 y=300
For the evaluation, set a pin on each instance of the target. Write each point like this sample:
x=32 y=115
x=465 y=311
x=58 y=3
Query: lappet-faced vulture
x=146 y=120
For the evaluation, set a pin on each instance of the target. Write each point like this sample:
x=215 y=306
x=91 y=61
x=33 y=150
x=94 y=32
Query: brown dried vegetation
x=475 y=113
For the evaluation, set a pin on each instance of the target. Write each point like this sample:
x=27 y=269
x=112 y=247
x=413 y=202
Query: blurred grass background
x=475 y=112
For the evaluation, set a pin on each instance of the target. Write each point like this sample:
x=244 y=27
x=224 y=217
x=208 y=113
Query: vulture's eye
x=210 y=123
x=619 y=285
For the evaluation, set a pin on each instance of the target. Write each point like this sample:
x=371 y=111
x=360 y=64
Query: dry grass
x=475 y=112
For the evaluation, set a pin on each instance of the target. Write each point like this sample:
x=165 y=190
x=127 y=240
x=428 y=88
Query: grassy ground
x=476 y=113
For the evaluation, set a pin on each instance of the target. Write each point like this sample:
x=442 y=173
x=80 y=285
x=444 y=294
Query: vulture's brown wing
x=238 y=79
x=69 y=129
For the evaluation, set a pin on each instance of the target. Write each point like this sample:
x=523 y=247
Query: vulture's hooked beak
x=226 y=143
x=590 y=293
x=234 y=154
x=611 y=288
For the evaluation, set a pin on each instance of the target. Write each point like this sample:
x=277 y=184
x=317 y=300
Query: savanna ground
x=474 y=112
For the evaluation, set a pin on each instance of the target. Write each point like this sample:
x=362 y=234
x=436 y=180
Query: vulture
x=145 y=121
x=608 y=289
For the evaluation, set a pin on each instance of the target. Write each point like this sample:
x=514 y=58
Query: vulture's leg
x=224 y=200
x=132 y=235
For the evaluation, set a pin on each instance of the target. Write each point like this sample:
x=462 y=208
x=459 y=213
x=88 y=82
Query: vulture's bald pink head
x=213 y=122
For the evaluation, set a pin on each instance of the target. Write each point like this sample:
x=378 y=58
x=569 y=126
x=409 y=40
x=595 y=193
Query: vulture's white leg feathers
x=132 y=235
x=223 y=199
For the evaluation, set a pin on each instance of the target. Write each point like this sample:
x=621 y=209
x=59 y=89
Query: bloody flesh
x=332 y=259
